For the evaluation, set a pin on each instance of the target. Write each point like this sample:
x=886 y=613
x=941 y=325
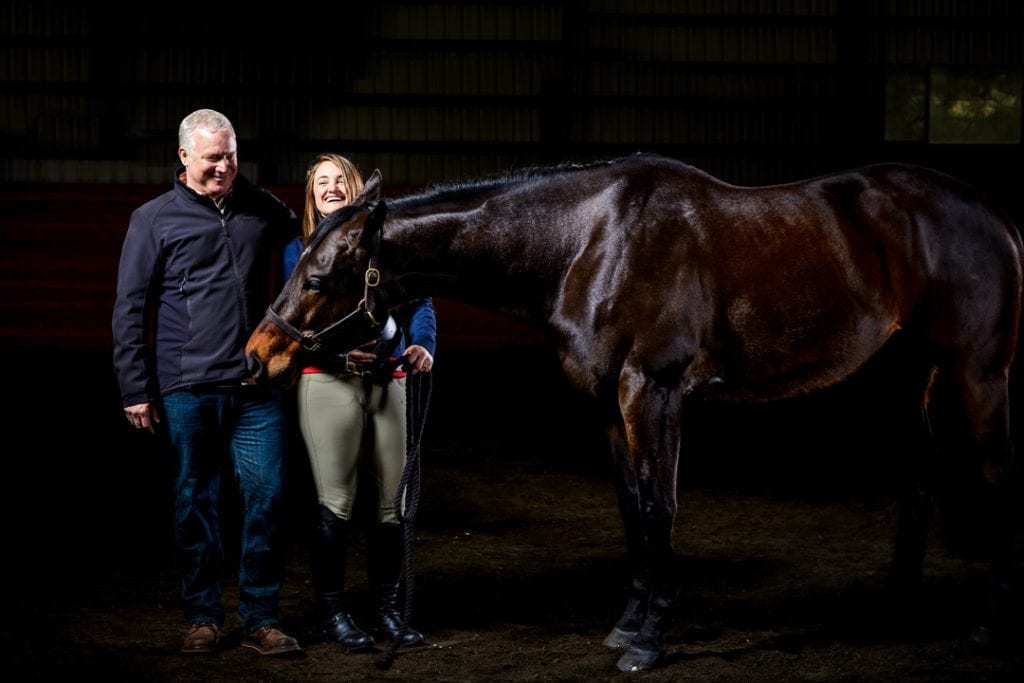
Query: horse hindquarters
x=967 y=307
x=969 y=405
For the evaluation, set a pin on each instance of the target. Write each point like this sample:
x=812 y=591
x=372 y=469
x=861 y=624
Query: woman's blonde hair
x=353 y=186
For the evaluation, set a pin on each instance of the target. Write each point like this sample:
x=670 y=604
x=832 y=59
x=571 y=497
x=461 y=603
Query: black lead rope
x=417 y=399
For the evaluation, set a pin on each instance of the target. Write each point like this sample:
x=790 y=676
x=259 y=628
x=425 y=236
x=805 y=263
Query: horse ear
x=373 y=224
x=371 y=190
x=377 y=216
x=375 y=221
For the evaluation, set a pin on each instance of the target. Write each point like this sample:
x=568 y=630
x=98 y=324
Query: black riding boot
x=384 y=566
x=330 y=545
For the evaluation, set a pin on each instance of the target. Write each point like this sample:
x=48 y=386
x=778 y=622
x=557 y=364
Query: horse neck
x=483 y=253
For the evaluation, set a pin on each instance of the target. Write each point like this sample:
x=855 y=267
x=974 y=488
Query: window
x=954 y=105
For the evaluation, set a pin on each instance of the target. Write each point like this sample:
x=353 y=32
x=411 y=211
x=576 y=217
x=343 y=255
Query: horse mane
x=464 y=190
x=467 y=190
x=329 y=223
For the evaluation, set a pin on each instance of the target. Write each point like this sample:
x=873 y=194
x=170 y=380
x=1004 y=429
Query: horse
x=659 y=284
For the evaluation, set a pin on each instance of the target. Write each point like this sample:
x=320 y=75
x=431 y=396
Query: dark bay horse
x=660 y=284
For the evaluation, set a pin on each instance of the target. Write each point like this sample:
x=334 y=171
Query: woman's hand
x=418 y=359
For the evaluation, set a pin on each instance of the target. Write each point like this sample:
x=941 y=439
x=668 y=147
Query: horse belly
x=786 y=349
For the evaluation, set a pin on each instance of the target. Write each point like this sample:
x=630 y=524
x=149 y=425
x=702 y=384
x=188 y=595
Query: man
x=193 y=282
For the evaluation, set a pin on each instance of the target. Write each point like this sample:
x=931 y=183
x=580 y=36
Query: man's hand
x=143 y=416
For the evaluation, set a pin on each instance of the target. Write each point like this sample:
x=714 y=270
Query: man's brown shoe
x=201 y=639
x=271 y=640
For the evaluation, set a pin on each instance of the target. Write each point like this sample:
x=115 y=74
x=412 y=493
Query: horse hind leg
x=996 y=461
x=914 y=447
x=977 y=488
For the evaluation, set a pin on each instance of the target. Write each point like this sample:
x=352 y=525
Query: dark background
x=755 y=92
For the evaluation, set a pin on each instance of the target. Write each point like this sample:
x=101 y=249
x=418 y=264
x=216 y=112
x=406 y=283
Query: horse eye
x=312 y=285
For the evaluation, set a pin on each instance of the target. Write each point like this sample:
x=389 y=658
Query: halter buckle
x=371 y=277
x=309 y=342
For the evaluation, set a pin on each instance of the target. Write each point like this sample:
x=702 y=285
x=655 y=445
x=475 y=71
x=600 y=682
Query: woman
x=346 y=414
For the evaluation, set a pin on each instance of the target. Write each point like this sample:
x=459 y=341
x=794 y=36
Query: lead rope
x=417 y=399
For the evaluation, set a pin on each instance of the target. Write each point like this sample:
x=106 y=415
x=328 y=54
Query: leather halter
x=359 y=324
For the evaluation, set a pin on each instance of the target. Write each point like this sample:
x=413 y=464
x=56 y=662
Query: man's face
x=212 y=165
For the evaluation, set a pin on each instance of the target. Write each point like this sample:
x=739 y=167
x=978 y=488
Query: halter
x=359 y=324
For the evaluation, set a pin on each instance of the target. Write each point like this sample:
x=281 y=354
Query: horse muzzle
x=255 y=367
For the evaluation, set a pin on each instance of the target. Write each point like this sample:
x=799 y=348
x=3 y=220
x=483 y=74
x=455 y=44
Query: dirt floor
x=783 y=540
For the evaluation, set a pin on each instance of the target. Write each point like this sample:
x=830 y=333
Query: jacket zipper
x=239 y=286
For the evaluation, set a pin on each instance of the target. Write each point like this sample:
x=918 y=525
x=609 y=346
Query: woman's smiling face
x=329 y=190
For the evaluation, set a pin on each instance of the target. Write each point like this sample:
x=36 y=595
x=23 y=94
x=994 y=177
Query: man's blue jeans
x=248 y=425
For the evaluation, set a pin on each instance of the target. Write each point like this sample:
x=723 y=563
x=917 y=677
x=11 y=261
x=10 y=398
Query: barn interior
x=755 y=92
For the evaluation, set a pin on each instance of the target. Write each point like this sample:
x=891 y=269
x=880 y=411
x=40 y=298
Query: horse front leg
x=646 y=648
x=639 y=581
x=646 y=451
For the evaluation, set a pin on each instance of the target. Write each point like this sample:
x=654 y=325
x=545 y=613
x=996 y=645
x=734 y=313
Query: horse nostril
x=255 y=366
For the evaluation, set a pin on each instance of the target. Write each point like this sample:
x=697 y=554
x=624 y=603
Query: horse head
x=332 y=302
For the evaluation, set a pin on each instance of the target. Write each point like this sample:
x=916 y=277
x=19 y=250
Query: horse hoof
x=986 y=636
x=635 y=659
x=619 y=638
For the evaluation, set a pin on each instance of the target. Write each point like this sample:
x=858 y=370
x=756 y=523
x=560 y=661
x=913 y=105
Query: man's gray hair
x=205 y=119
